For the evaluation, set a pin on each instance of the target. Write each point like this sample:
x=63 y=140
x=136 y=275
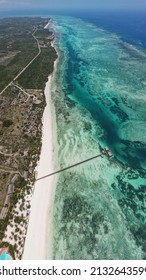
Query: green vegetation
x=7 y=123
x=36 y=75
x=43 y=34
x=16 y=38
x=21 y=110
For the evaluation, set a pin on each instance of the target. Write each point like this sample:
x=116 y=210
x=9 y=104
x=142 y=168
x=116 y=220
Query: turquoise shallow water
x=99 y=92
x=107 y=76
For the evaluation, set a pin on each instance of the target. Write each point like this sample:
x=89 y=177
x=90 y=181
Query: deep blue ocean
x=130 y=26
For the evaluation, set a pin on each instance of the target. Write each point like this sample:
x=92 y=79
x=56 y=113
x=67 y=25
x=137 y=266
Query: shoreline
x=38 y=242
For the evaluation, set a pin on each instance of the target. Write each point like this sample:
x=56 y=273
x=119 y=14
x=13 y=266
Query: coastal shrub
x=17 y=229
x=17 y=220
x=15 y=237
x=20 y=182
x=1 y=235
x=21 y=207
x=7 y=123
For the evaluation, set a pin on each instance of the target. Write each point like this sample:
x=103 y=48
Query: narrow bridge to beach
x=76 y=164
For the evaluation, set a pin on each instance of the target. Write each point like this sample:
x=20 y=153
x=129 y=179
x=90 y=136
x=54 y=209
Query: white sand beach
x=38 y=243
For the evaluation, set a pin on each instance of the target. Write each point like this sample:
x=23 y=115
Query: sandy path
x=38 y=243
